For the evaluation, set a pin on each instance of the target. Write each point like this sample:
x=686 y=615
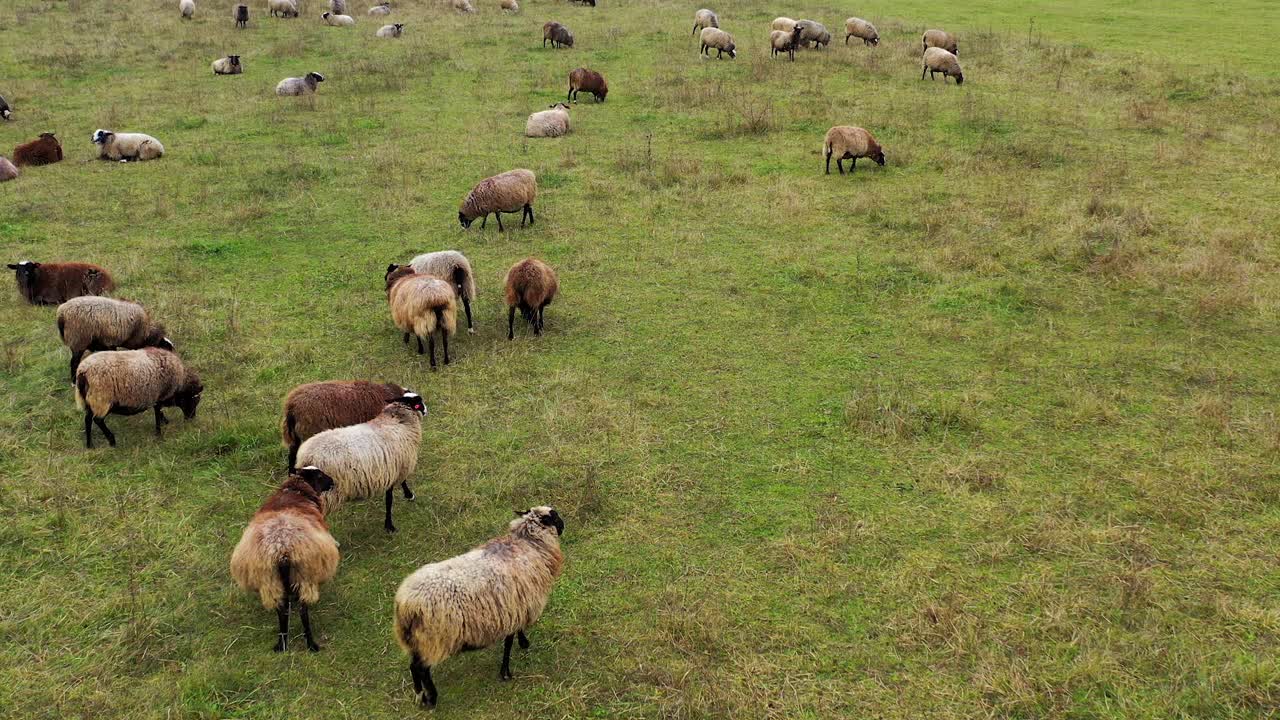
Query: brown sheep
x=44 y=150
x=56 y=283
x=589 y=80
x=531 y=286
x=421 y=304
x=558 y=34
x=846 y=142
x=315 y=407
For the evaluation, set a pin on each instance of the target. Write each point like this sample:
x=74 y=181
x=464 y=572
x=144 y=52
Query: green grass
x=988 y=432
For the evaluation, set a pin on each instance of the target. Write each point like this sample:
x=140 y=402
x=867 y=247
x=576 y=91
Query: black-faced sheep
x=390 y=31
x=704 y=18
x=937 y=60
x=509 y=192
x=338 y=20
x=8 y=171
x=125 y=147
x=305 y=85
x=128 y=382
x=187 y=8
x=530 y=286
x=861 y=29
x=454 y=267
x=282 y=8
x=100 y=323
x=941 y=39
x=558 y=34
x=44 y=150
x=241 y=15
x=5 y=111
x=846 y=142
x=229 y=65
x=495 y=592
x=720 y=41
x=782 y=41
x=312 y=408
x=56 y=283
x=372 y=457
x=550 y=123
x=593 y=82
x=591 y=3
x=287 y=553
x=421 y=305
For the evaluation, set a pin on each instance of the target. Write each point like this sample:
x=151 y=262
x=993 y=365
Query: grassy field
x=988 y=432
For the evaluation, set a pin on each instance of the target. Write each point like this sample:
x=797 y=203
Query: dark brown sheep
x=44 y=150
x=242 y=16
x=531 y=286
x=315 y=407
x=56 y=283
x=558 y=34
x=589 y=80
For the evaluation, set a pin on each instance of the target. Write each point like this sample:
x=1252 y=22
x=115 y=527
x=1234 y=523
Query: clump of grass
x=891 y=411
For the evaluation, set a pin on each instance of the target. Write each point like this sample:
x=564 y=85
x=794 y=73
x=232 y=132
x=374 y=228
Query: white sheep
x=719 y=40
x=187 y=8
x=338 y=20
x=937 y=60
x=383 y=9
x=548 y=123
x=785 y=24
x=390 y=31
x=704 y=18
x=282 y=8
x=127 y=146
x=305 y=85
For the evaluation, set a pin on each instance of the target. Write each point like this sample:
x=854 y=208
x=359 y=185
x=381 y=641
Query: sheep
x=453 y=267
x=127 y=146
x=548 y=123
x=781 y=41
x=704 y=18
x=941 y=39
x=813 y=32
x=720 y=40
x=338 y=20
x=5 y=111
x=558 y=34
x=286 y=551
x=241 y=16
x=305 y=85
x=229 y=65
x=44 y=150
x=338 y=7
x=128 y=382
x=390 y=31
x=315 y=407
x=282 y=8
x=593 y=82
x=530 y=285
x=56 y=283
x=510 y=6
x=8 y=171
x=494 y=592
x=421 y=304
x=504 y=193
x=187 y=8
x=383 y=9
x=463 y=6
x=592 y=3
x=371 y=457
x=859 y=28
x=937 y=60
x=99 y=323
x=785 y=24
x=846 y=142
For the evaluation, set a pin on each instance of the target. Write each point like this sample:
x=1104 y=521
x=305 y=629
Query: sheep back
x=44 y=150
x=856 y=142
x=128 y=380
x=106 y=322
x=449 y=265
x=531 y=283
x=941 y=39
x=548 y=123
x=785 y=24
x=507 y=192
x=54 y=283
x=939 y=60
x=289 y=527
x=368 y=459
x=861 y=29
x=421 y=303
x=813 y=32
x=312 y=408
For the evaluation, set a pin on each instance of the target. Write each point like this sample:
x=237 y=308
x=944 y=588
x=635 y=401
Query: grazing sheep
x=241 y=14
x=338 y=7
x=5 y=111
x=937 y=60
x=282 y=8
x=859 y=28
x=592 y=3
x=508 y=192
x=421 y=304
x=315 y=407
x=785 y=24
x=781 y=41
x=531 y=285
x=56 y=283
x=305 y=85
x=495 y=592
x=704 y=18
x=286 y=551
x=229 y=65
x=44 y=150
x=100 y=323
x=383 y=9
x=8 y=171
x=453 y=267
x=941 y=39
x=338 y=20
x=846 y=142
x=510 y=6
x=390 y=31
x=187 y=8
x=720 y=40
x=593 y=82
x=813 y=32
x=558 y=34
x=372 y=457
x=128 y=382
x=463 y=6
x=548 y=123
x=124 y=147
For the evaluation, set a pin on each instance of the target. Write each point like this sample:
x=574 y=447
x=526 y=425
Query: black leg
x=413 y=673
x=828 y=162
x=444 y=340
x=924 y=70
x=431 y=346
x=530 y=209
x=160 y=421
x=524 y=641
x=498 y=217
x=466 y=304
x=406 y=338
x=408 y=494
x=853 y=164
x=293 y=455
x=282 y=613
x=75 y=363
x=839 y=165
x=511 y=329
x=306 y=627
x=484 y=221
x=111 y=439
x=88 y=429
x=429 y=696
x=391 y=498
x=420 y=348
x=505 y=672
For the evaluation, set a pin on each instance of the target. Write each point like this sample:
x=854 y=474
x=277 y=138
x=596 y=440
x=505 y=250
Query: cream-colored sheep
x=229 y=65
x=390 y=31
x=282 y=8
x=463 y=6
x=814 y=32
x=100 y=323
x=781 y=41
x=453 y=267
x=338 y=20
x=785 y=24
x=125 y=147
x=861 y=29
x=305 y=85
x=845 y=142
x=941 y=39
x=187 y=8
x=548 y=123
x=383 y=9
x=937 y=60
x=128 y=382
x=719 y=40
x=704 y=18
x=8 y=171
x=509 y=192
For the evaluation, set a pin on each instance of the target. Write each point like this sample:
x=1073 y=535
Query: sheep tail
x=440 y=319
x=282 y=568
x=82 y=391
x=460 y=277
x=62 y=325
x=526 y=311
x=290 y=422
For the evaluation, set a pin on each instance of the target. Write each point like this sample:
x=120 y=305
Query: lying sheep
x=187 y=8
x=941 y=39
x=937 y=60
x=511 y=191
x=510 y=6
x=44 y=150
x=282 y=8
x=463 y=6
x=100 y=323
x=495 y=592
x=558 y=34
x=720 y=40
x=8 y=171
x=286 y=553
x=124 y=147
x=5 y=111
x=548 y=123
x=452 y=267
x=338 y=20
x=372 y=457
x=312 y=408
x=704 y=18
x=56 y=283
x=846 y=142
x=338 y=7
x=241 y=15
x=593 y=82
x=305 y=85
x=421 y=305
x=229 y=65
x=383 y=9
x=390 y=31
x=128 y=382
x=781 y=41
x=861 y=29
x=813 y=32
x=530 y=286
x=785 y=24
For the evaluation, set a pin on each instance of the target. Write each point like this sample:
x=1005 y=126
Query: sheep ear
x=521 y=513
x=12 y=266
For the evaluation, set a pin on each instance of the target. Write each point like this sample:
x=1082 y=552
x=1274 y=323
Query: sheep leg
x=406 y=338
x=530 y=209
x=511 y=324
x=444 y=340
x=111 y=439
x=306 y=627
x=839 y=165
x=408 y=494
x=431 y=347
x=282 y=614
x=160 y=421
x=75 y=363
x=427 y=695
x=505 y=672
x=466 y=305
x=293 y=455
x=829 y=162
x=391 y=498
x=924 y=70
x=498 y=216
x=88 y=429
x=524 y=641
x=420 y=348
x=853 y=164
x=484 y=221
